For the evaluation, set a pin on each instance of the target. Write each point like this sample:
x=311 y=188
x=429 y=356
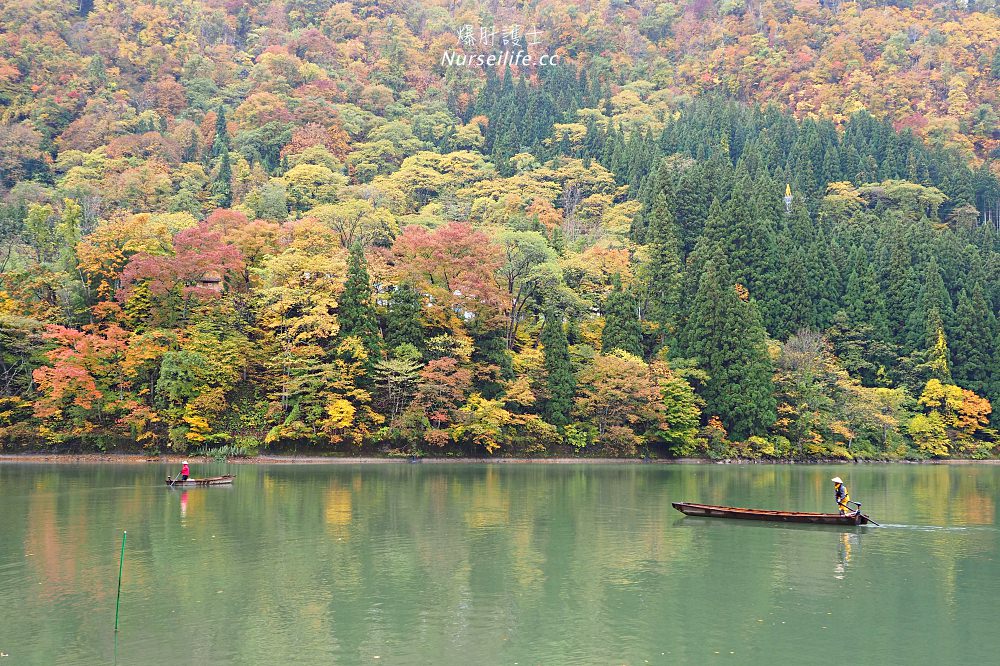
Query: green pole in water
x=121 y=562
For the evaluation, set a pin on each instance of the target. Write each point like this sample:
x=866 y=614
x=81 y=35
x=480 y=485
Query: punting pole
x=121 y=562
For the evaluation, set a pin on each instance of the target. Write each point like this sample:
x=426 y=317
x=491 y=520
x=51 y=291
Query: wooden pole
x=121 y=562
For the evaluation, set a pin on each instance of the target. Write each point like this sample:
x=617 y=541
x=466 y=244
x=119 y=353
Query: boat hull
x=713 y=511
x=224 y=480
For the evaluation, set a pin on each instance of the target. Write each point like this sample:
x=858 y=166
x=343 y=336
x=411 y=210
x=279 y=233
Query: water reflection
x=849 y=545
x=486 y=564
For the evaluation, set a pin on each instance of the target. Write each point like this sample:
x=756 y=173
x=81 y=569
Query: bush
x=618 y=441
x=577 y=436
x=244 y=447
x=840 y=451
x=782 y=447
x=757 y=447
x=535 y=436
x=248 y=445
x=178 y=438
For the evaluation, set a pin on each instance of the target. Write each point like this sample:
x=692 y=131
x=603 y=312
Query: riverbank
x=177 y=459
x=138 y=459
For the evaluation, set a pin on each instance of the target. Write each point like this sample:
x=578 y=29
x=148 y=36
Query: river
x=495 y=564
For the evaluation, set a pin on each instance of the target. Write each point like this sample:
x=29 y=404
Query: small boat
x=224 y=480
x=712 y=511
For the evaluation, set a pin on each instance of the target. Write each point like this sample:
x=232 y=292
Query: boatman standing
x=185 y=470
x=840 y=494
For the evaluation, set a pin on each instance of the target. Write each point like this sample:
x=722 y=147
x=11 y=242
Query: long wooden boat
x=712 y=511
x=223 y=480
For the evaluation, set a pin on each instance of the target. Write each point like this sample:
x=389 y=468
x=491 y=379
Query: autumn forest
x=699 y=228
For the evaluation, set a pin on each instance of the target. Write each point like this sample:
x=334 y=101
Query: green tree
x=863 y=300
x=355 y=310
x=622 y=329
x=938 y=355
x=726 y=335
x=663 y=270
x=681 y=414
x=403 y=324
x=222 y=188
x=560 y=381
x=934 y=297
x=222 y=143
x=973 y=344
x=899 y=287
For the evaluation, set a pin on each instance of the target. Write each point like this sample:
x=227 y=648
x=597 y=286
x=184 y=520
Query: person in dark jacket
x=841 y=495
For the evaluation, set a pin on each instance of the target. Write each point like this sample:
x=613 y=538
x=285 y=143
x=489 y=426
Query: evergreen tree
x=560 y=381
x=489 y=350
x=593 y=141
x=972 y=343
x=937 y=353
x=793 y=306
x=749 y=233
x=222 y=188
x=860 y=351
x=191 y=149
x=222 y=143
x=728 y=339
x=403 y=319
x=934 y=297
x=693 y=270
x=664 y=269
x=622 y=329
x=825 y=281
x=863 y=300
x=831 y=172
x=355 y=311
x=899 y=288
x=691 y=201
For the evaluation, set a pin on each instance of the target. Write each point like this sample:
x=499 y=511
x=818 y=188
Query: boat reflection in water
x=847 y=544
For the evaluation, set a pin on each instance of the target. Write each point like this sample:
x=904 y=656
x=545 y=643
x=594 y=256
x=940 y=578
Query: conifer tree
x=221 y=143
x=622 y=329
x=831 y=172
x=793 y=305
x=222 y=188
x=694 y=268
x=560 y=381
x=402 y=321
x=937 y=354
x=727 y=337
x=356 y=312
x=691 y=203
x=190 y=153
x=825 y=279
x=899 y=288
x=972 y=343
x=933 y=297
x=749 y=234
x=664 y=269
x=863 y=300
x=489 y=349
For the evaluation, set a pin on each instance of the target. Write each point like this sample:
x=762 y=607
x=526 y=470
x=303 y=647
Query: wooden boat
x=223 y=480
x=712 y=511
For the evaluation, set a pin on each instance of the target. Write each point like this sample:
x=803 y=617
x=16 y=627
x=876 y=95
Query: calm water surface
x=479 y=564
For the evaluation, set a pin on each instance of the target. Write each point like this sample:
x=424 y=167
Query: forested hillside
x=761 y=229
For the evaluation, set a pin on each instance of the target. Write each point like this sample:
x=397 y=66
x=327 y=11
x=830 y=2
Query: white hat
x=837 y=479
x=185 y=462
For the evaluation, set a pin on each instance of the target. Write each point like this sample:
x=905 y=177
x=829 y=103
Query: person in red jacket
x=185 y=471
